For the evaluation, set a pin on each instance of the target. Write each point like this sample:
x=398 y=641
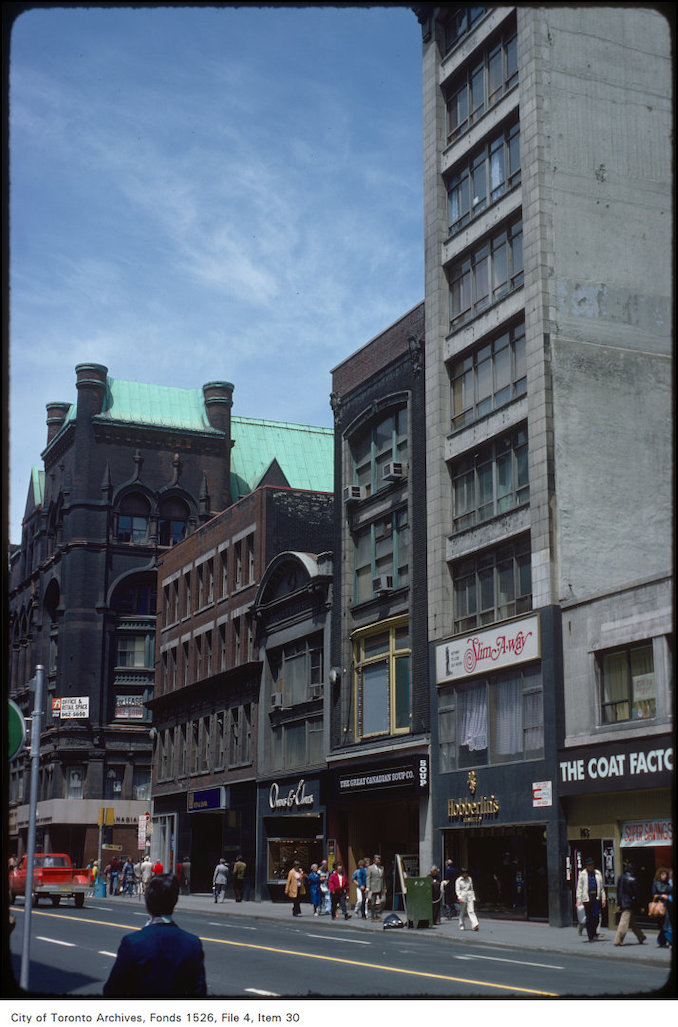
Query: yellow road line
x=330 y=959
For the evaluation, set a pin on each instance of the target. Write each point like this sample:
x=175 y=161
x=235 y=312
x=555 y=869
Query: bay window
x=382 y=679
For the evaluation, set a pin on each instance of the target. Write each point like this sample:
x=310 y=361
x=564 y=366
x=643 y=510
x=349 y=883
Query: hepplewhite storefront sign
x=482 y=651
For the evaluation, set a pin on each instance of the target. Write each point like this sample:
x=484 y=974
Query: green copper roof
x=38 y=485
x=305 y=454
x=160 y=405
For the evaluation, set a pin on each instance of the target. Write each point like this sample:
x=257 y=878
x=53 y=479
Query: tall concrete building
x=548 y=219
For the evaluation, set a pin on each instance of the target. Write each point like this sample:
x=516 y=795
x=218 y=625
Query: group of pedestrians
x=125 y=877
x=224 y=876
x=329 y=890
x=592 y=898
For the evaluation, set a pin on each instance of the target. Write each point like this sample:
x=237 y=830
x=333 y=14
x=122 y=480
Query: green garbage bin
x=419 y=902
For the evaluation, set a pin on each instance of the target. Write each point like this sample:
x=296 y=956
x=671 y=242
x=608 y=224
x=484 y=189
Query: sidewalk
x=511 y=934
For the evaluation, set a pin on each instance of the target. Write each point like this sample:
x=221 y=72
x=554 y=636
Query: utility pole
x=36 y=727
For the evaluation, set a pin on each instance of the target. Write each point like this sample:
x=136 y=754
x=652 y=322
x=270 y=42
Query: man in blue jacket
x=161 y=960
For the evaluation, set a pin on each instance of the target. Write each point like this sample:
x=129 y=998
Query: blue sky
x=203 y=193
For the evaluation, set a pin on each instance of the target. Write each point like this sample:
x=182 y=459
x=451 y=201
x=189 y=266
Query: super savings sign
x=479 y=652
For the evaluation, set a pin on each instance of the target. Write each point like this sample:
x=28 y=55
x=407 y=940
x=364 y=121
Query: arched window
x=172 y=522
x=133 y=519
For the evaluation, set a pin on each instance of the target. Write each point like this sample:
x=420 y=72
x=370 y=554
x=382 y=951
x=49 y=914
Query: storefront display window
x=282 y=852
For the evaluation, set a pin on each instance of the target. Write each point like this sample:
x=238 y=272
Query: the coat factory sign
x=475 y=809
x=616 y=766
x=495 y=649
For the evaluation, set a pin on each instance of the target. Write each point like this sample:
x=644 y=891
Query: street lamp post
x=36 y=725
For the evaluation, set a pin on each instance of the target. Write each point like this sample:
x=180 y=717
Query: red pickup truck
x=53 y=876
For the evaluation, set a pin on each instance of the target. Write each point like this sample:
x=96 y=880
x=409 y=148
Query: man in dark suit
x=161 y=960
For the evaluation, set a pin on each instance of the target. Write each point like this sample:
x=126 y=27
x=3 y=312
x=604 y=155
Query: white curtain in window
x=509 y=726
x=534 y=722
x=472 y=703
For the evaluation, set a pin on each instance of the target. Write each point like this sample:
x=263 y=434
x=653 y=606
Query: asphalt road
x=72 y=952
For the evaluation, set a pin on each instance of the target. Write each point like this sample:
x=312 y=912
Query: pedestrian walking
x=324 y=872
x=239 y=868
x=466 y=898
x=436 y=894
x=359 y=878
x=187 y=875
x=161 y=960
x=294 y=887
x=146 y=873
x=662 y=891
x=314 y=892
x=374 y=887
x=220 y=880
x=627 y=900
x=591 y=893
x=128 y=876
x=114 y=869
x=338 y=885
x=450 y=875
x=158 y=868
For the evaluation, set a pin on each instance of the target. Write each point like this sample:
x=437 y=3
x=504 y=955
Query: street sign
x=16 y=727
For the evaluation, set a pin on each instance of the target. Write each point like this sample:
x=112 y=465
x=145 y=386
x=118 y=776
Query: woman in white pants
x=466 y=898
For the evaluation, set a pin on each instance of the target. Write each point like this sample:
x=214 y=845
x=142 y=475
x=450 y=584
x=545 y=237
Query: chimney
x=56 y=415
x=91 y=385
x=218 y=403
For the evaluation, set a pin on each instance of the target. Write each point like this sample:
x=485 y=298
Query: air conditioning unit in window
x=315 y=691
x=394 y=471
x=384 y=583
x=276 y=700
x=353 y=493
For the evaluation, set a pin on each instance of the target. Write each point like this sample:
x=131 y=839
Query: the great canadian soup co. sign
x=479 y=652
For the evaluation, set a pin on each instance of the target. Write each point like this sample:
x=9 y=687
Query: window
x=181 y=746
x=489 y=377
x=482 y=84
x=223 y=653
x=485 y=275
x=133 y=518
x=240 y=735
x=297 y=669
x=141 y=779
x=187 y=594
x=135 y=650
x=74 y=782
x=297 y=744
x=490 y=482
x=381 y=550
x=460 y=24
x=195 y=747
x=113 y=782
x=384 y=442
x=382 y=680
x=221 y=719
x=492 y=585
x=205 y=575
x=172 y=522
x=223 y=564
x=185 y=663
x=627 y=681
x=481 y=180
x=491 y=721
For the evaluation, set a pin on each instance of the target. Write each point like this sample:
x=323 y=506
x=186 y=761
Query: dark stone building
x=378 y=785
x=128 y=471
